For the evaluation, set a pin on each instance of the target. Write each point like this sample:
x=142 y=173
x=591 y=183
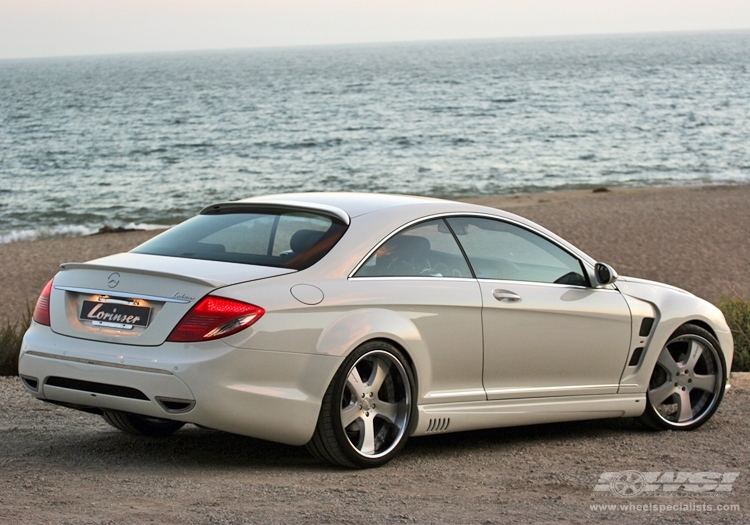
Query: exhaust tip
x=175 y=406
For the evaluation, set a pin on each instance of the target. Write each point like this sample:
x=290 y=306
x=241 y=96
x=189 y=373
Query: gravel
x=66 y=467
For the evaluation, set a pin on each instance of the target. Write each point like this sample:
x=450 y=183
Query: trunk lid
x=138 y=299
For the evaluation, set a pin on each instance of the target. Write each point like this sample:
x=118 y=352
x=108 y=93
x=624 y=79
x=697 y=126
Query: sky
x=40 y=28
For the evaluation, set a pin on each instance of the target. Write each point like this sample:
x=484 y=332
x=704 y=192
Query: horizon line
x=376 y=42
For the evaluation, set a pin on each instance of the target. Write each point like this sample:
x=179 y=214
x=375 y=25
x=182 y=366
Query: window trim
x=588 y=268
x=412 y=278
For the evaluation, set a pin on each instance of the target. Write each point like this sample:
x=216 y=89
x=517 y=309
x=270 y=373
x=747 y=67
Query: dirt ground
x=59 y=466
x=65 y=467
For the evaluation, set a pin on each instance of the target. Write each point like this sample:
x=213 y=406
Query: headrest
x=303 y=240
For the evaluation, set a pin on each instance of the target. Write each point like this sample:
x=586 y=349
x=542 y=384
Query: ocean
x=147 y=140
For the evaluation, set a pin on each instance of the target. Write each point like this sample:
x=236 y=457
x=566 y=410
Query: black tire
x=352 y=431
x=141 y=425
x=687 y=383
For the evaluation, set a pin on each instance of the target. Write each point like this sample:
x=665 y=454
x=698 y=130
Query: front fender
x=674 y=307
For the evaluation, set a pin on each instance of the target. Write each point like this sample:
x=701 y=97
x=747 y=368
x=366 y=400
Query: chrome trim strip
x=121 y=294
x=454 y=393
x=464 y=279
x=510 y=282
x=98 y=363
x=412 y=278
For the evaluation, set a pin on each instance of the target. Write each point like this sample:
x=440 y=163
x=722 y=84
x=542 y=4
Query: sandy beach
x=696 y=238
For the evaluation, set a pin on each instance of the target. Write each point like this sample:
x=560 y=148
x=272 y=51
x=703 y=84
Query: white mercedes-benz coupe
x=349 y=322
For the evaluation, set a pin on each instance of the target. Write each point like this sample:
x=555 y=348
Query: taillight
x=41 y=310
x=215 y=317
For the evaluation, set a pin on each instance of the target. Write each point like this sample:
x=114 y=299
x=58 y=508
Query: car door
x=546 y=331
x=421 y=274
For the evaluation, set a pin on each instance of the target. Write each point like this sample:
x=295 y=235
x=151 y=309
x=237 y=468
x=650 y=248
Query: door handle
x=506 y=295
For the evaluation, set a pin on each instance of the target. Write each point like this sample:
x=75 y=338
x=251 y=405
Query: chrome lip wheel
x=375 y=404
x=687 y=380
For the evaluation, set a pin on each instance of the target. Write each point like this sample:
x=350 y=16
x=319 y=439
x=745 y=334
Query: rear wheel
x=688 y=381
x=141 y=425
x=367 y=411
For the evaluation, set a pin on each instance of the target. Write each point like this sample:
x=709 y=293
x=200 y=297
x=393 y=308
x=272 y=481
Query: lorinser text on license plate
x=116 y=315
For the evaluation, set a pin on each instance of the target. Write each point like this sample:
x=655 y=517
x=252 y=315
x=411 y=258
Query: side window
x=499 y=250
x=427 y=249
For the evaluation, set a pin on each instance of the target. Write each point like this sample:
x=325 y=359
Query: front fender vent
x=636 y=356
x=438 y=425
x=646 y=325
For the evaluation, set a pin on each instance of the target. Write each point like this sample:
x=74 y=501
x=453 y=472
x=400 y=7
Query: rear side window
x=427 y=249
x=294 y=239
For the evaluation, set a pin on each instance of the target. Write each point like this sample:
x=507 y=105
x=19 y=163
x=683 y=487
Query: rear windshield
x=291 y=239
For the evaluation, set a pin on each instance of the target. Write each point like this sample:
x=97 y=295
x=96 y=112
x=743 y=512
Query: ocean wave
x=460 y=119
x=74 y=230
x=145 y=226
x=46 y=233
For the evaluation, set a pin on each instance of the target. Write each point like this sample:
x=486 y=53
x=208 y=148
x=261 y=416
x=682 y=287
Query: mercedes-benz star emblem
x=113 y=280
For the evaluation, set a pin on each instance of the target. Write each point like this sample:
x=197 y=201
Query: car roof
x=346 y=205
x=352 y=203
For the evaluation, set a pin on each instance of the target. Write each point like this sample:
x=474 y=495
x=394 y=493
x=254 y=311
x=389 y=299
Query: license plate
x=116 y=315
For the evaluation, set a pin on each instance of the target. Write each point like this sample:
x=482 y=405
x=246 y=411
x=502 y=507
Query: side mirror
x=605 y=274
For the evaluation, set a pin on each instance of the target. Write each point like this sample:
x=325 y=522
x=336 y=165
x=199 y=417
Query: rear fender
x=352 y=329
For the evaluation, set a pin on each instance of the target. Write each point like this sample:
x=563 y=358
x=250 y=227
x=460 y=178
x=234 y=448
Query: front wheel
x=688 y=381
x=367 y=411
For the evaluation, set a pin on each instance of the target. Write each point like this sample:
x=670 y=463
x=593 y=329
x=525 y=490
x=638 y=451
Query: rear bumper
x=267 y=395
